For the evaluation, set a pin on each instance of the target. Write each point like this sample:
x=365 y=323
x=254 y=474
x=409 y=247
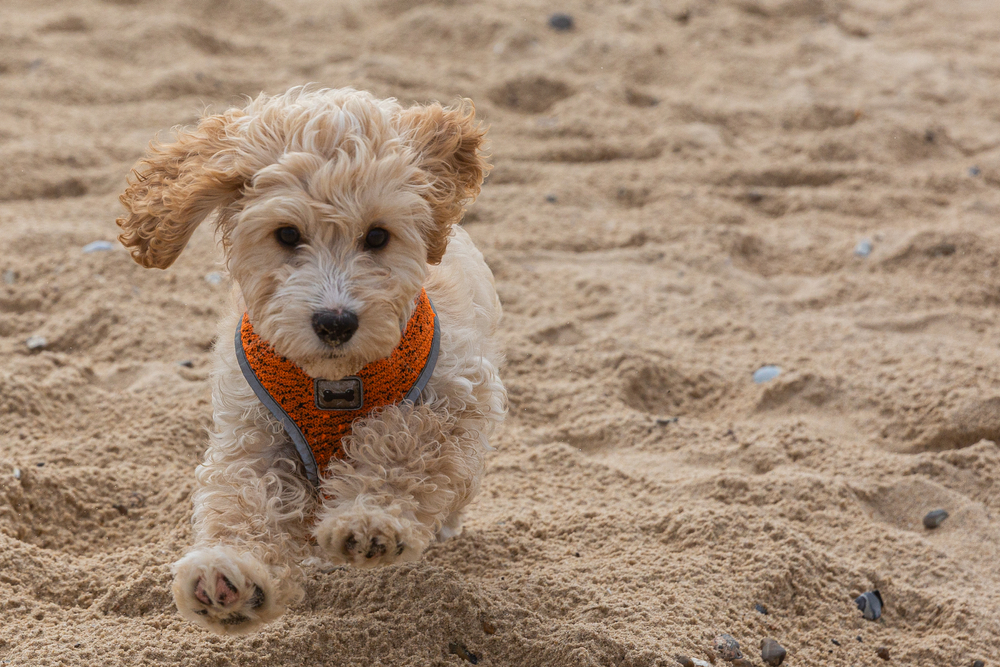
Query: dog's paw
x=368 y=537
x=225 y=591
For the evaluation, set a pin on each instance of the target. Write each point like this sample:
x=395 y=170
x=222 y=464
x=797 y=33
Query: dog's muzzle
x=334 y=327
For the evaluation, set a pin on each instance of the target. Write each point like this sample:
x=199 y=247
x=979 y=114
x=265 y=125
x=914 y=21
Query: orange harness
x=317 y=413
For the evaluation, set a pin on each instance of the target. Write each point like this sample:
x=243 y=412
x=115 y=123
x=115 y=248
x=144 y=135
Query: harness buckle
x=343 y=394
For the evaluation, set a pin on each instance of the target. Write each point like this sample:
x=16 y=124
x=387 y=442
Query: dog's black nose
x=335 y=327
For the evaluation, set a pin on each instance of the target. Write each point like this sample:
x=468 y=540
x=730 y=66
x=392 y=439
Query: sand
x=680 y=186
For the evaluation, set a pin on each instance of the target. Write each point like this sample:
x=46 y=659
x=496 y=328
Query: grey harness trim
x=291 y=428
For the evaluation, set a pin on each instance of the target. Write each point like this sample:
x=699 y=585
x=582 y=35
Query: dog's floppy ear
x=448 y=140
x=175 y=186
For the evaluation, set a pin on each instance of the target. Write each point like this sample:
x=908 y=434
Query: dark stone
x=465 y=654
x=935 y=518
x=772 y=652
x=727 y=647
x=560 y=21
x=882 y=652
x=760 y=608
x=684 y=661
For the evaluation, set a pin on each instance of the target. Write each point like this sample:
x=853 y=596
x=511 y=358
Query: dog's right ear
x=175 y=186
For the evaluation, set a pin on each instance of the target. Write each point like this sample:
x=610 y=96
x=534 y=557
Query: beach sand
x=683 y=193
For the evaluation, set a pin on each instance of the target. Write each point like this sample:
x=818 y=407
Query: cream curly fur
x=333 y=164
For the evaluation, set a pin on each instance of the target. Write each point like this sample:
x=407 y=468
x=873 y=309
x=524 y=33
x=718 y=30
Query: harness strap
x=317 y=413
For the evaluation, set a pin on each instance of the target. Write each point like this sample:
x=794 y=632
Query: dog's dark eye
x=376 y=238
x=288 y=236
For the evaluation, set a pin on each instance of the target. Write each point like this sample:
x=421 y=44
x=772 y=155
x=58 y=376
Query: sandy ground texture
x=679 y=192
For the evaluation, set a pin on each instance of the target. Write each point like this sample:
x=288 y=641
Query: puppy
x=355 y=381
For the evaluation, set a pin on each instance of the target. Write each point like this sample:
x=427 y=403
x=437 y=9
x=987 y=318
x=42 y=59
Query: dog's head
x=331 y=206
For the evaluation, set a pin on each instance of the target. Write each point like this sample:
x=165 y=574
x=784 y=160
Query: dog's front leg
x=250 y=532
x=405 y=476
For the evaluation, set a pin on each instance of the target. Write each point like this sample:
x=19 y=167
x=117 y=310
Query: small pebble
x=9 y=277
x=760 y=608
x=17 y=473
x=187 y=363
x=727 y=647
x=870 y=603
x=40 y=465
x=465 y=654
x=684 y=661
x=489 y=628
x=552 y=199
x=766 y=374
x=772 y=652
x=36 y=342
x=835 y=642
x=882 y=652
x=98 y=246
x=701 y=663
x=214 y=278
x=864 y=248
x=974 y=171
x=561 y=22
x=742 y=662
x=978 y=663
x=859 y=638
x=935 y=518
x=663 y=421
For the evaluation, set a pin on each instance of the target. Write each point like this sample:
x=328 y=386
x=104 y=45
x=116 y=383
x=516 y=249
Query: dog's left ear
x=448 y=140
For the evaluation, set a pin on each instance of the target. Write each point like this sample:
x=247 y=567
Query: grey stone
x=766 y=374
x=935 y=518
x=36 y=342
x=870 y=603
x=98 y=246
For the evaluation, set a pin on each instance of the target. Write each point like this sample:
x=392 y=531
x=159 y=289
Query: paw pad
x=370 y=549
